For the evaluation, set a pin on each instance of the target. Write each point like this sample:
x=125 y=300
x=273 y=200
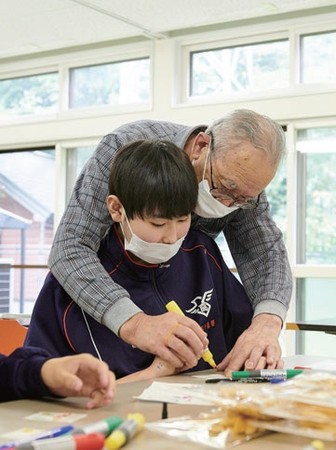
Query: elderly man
x=234 y=160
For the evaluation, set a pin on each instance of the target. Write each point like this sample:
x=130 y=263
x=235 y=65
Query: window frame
x=72 y=60
x=301 y=106
x=241 y=36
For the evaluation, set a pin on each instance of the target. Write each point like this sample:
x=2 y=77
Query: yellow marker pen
x=121 y=435
x=207 y=356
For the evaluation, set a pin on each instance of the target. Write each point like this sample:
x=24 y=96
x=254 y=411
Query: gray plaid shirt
x=254 y=240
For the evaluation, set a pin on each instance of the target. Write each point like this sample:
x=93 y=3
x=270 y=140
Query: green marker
x=267 y=374
x=105 y=426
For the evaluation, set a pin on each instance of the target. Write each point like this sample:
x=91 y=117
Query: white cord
x=90 y=334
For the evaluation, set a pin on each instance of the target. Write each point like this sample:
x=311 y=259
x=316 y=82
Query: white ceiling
x=32 y=26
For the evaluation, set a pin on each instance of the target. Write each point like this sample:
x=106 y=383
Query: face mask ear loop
x=128 y=224
x=206 y=161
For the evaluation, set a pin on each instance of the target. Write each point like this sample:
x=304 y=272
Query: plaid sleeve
x=261 y=258
x=73 y=259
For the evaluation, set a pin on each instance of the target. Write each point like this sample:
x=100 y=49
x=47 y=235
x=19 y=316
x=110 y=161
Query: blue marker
x=55 y=432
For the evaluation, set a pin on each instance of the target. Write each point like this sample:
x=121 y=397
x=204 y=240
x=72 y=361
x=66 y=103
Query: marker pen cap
x=105 y=426
x=172 y=306
x=208 y=357
x=277 y=380
x=138 y=418
x=112 y=423
x=116 y=441
x=56 y=432
x=125 y=431
x=93 y=441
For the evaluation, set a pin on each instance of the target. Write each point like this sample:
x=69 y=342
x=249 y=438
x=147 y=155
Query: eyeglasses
x=223 y=194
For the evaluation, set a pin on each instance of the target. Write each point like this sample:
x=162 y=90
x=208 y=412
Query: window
x=316 y=239
x=317 y=201
x=282 y=68
x=247 y=68
x=117 y=83
x=318 y=58
x=26 y=223
x=276 y=194
x=76 y=159
x=36 y=94
x=315 y=300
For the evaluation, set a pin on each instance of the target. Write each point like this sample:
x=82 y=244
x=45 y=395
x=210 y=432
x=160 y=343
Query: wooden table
x=13 y=416
x=325 y=325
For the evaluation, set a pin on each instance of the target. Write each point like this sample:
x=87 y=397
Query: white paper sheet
x=181 y=393
x=326 y=364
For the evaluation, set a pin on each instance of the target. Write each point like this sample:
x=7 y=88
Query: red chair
x=12 y=335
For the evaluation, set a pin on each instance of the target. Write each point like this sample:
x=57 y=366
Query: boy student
x=151 y=252
x=31 y=372
x=234 y=159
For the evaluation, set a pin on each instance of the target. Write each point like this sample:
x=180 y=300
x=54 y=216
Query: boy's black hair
x=153 y=178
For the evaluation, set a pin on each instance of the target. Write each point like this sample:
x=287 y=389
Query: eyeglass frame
x=251 y=203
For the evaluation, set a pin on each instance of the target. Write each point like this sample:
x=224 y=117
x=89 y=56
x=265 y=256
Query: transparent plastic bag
x=304 y=406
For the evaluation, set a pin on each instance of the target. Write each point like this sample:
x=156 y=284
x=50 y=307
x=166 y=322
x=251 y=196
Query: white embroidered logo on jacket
x=201 y=304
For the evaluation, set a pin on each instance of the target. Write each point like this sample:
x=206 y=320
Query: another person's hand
x=257 y=347
x=176 y=339
x=80 y=376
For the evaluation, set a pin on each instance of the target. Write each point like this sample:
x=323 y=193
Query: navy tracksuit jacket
x=20 y=374
x=196 y=278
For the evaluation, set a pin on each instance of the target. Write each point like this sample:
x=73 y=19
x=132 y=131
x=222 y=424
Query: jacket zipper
x=157 y=291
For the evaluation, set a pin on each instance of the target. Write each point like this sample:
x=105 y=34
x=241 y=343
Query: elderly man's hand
x=257 y=348
x=176 y=339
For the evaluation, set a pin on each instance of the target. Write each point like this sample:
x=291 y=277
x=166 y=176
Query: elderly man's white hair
x=246 y=125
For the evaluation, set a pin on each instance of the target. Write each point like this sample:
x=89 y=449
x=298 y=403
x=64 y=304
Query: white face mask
x=151 y=252
x=207 y=205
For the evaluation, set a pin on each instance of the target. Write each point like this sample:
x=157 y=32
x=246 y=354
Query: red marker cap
x=92 y=441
